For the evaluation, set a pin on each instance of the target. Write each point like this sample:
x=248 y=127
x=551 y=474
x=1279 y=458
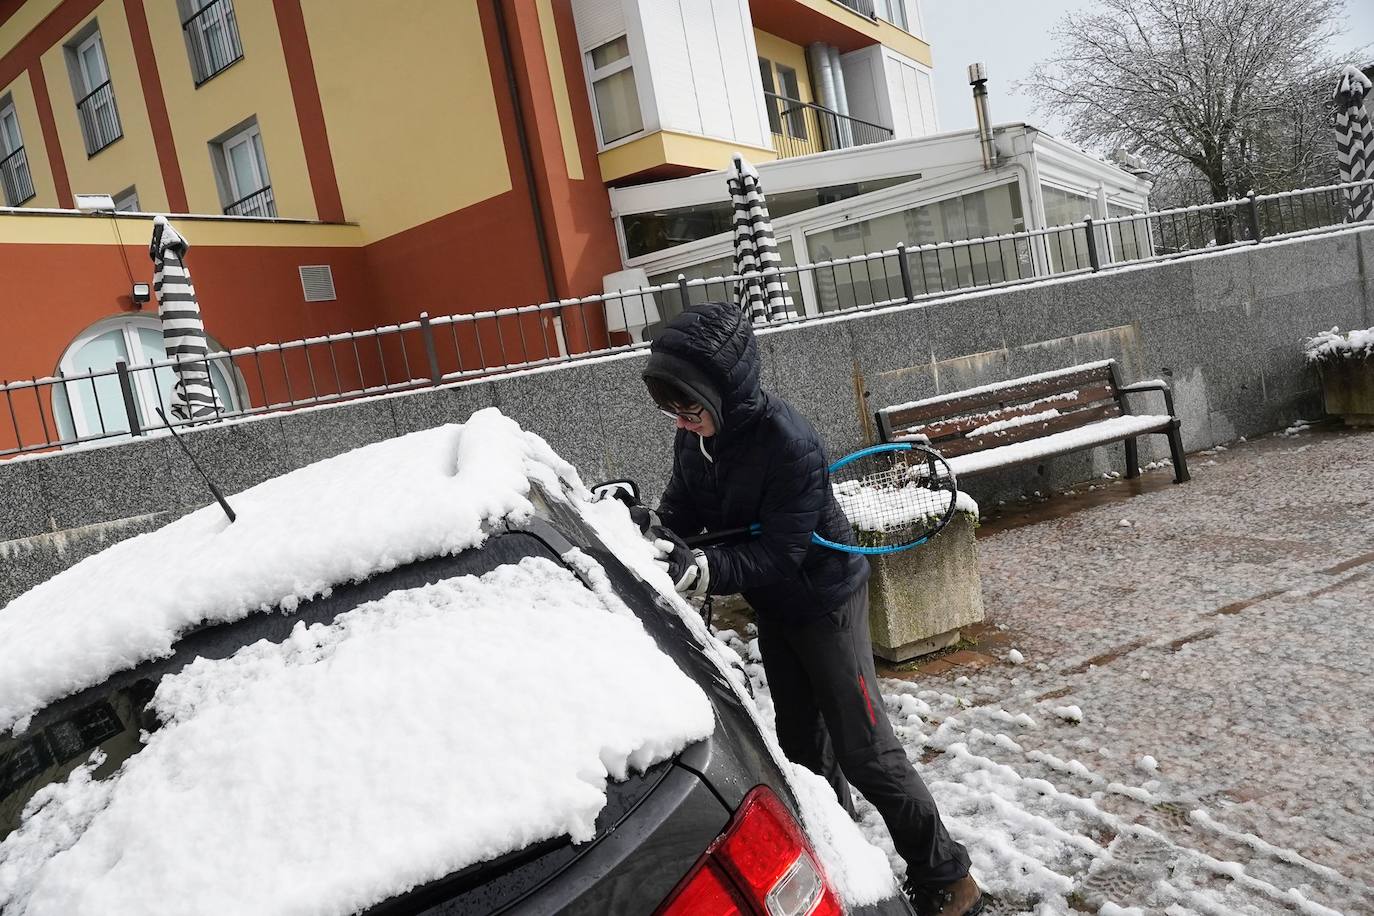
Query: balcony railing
x=99 y=118
x=801 y=128
x=212 y=37
x=259 y=203
x=14 y=175
x=862 y=7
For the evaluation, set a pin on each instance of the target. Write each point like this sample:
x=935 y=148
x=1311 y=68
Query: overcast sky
x=1009 y=36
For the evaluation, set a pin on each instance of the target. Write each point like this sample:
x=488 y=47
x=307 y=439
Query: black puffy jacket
x=766 y=465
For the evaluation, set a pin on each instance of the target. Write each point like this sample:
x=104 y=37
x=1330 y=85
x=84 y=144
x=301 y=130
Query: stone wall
x=1224 y=329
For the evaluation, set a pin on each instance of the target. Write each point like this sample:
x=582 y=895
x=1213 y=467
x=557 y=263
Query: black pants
x=830 y=719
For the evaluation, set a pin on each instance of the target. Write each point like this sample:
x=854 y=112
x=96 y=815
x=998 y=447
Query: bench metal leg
x=1132 y=459
x=1176 y=452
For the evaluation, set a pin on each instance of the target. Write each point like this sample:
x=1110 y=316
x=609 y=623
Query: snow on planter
x=1345 y=363
x=269 y=758
x=1332 y=345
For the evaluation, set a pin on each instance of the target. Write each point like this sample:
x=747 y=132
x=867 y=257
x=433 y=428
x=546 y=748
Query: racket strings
x=895 y=498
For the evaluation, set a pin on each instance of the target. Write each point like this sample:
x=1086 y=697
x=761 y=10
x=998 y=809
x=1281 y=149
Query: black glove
x=645 y=518
x=687 y=568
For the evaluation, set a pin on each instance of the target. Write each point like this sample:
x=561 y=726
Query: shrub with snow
x=1328 y=346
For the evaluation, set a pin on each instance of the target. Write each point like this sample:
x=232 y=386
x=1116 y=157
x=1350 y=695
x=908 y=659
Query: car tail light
x=760 y=866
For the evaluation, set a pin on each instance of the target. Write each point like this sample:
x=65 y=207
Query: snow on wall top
x=366 y=511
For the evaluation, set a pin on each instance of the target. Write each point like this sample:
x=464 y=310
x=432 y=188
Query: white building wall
x=891 y=89
x=702 y=61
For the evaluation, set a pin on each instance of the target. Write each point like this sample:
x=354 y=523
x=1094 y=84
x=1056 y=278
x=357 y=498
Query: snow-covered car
x=426 y=676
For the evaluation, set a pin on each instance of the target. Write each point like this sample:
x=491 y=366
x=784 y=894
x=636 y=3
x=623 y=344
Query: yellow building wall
x=409 y=107
x=90 y=229
x=562 y=101
x=35 y=149
x=256 y=85
x=781 y=51
x=29 y=14
x=130 y=160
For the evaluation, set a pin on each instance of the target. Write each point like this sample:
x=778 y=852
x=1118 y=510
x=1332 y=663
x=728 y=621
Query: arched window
x=94 y=407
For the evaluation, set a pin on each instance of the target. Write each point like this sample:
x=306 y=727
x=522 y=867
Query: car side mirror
x=627 y=491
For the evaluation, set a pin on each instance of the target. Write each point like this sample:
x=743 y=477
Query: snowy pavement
x=1170 y=708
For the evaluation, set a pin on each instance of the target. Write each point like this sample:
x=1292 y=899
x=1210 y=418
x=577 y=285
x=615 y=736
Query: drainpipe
x=541 y=229
x=841 y=95
x=978 y=79
x=825 y=88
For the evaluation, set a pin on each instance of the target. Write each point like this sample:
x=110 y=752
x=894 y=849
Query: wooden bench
x=1029 y=419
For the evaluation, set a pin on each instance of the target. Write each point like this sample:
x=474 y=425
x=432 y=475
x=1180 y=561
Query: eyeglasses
x=690 y=416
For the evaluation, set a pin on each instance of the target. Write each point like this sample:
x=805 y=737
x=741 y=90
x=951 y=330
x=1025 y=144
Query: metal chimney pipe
x=978 y=79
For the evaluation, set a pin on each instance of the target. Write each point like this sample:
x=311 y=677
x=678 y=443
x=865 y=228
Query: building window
x=241 y=166
x=782 y=95
x=126 y=201
x=974 y=214
x=94 y=92
x=1068 y=248
x=894 y=11
x=14 y=165
x=614 y=91
x=212 y=36
x=95 y=406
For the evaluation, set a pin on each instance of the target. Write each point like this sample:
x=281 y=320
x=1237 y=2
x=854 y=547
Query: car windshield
x=111 y=717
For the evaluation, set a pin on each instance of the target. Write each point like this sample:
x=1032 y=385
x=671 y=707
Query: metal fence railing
x=862 y=7
x=801 y=128
x=121 y=401
x=99 y=118
x=212 y=38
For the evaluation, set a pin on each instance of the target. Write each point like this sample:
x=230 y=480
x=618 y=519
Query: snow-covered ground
x=1184 y=725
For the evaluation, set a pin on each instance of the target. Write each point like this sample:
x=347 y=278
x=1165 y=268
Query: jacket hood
x=716 y=338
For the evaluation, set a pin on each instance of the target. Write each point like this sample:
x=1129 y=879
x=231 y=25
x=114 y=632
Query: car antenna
x=219 y=497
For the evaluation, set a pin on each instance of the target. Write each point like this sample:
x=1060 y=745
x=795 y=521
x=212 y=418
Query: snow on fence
x=121 y=402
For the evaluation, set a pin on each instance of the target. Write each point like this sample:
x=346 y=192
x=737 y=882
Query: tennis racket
x=896 y=496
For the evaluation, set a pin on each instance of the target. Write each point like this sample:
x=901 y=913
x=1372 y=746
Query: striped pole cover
x=1355 y=142
x=762 y=292
x=183 y=332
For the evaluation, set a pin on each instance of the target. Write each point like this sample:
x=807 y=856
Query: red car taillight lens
x=760 y=866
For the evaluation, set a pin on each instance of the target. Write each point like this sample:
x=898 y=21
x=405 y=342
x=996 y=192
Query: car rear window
x=112 y=716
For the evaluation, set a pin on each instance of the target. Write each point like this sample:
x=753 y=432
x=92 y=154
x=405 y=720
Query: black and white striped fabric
x=762 y=291
x=183 y=332
x=1355 y=141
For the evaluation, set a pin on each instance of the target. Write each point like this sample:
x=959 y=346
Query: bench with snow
x=1026 y=420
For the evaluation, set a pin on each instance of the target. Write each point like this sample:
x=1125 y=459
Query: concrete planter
x=918 y=599
x=1348 y=389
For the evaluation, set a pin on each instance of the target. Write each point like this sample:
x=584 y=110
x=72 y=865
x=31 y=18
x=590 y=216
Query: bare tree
x=1230 y=91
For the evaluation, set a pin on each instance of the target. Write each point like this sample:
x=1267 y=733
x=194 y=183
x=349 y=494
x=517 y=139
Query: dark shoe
x=962 y=898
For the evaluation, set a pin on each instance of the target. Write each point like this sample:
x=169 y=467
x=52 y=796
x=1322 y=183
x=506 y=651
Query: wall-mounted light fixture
x=141 y=293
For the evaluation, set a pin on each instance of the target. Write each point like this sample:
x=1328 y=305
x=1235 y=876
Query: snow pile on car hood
x=358 y=759
x=339 y=520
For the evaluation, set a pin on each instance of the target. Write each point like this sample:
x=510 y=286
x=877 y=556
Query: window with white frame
x=126 y=201
x=87 y=407
x=14 y=163
x=614 y=93
x=95 y=100
x=241 y=165
x=212 y=36
x=894 y=11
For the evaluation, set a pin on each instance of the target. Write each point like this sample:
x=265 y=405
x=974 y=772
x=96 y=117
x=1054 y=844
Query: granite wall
x=1224 y=329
